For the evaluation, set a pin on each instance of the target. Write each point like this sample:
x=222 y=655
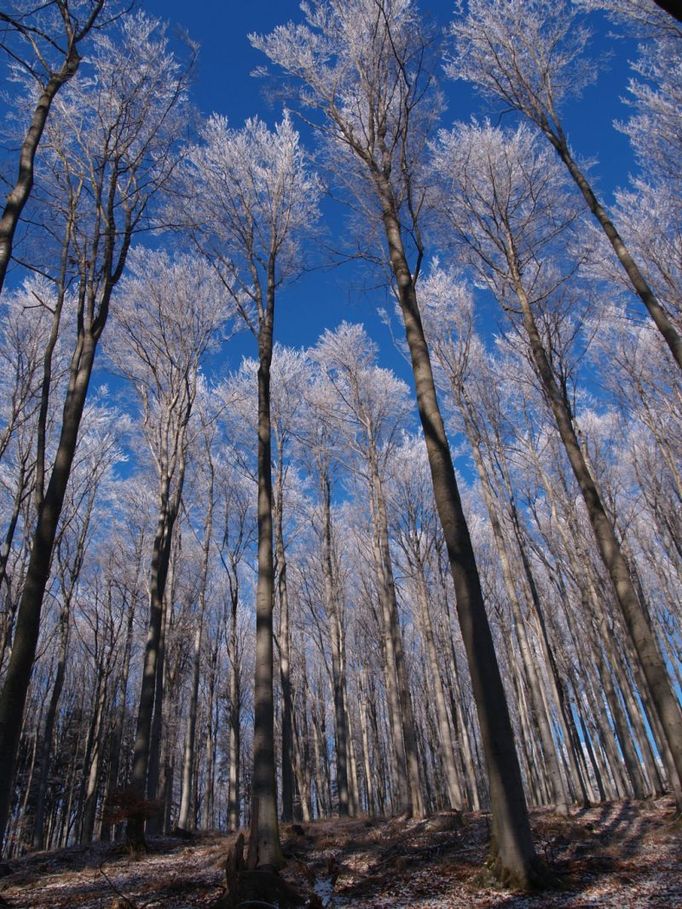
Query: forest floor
x=626 y=855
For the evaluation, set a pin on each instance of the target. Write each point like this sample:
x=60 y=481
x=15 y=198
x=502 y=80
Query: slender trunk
x=5 y=549
x=235 y=719
x=92 y=787
x=48 y=730
x=287 y=756
x=18 y=196
x=639 y=283
x=447 y=745
x=332 y=605
x=512 y=845
x=159 y=733
x=636 y=619
x=264 y=845
x=15 y=688
x=117 y=731
x=541 y=715
x=159 y=571
x=187 y=814
x=402 y=718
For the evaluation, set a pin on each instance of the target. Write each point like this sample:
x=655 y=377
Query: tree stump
x=254 y=888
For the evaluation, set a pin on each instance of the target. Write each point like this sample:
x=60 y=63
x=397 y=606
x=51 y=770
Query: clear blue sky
x=224 y=85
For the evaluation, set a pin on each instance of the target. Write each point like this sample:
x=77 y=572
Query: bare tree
x=121 y=151
x=42 y=42
x=529 y=55
x=508 y=208
x=363 y=65
x=252 y=198
x=166 y=316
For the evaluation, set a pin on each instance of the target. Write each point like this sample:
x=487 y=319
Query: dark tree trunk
x=161 y=553
x=639 y=283
x=18 y=196
x=610 y=550
x=512 y=849
x=264 y=845
x=287 y=756
x=13 y=696
x=331 y=598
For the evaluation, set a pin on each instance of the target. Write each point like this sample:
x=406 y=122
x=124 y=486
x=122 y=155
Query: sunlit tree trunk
x=512 y=845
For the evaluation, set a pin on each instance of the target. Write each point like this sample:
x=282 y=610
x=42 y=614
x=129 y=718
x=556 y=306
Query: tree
x=114 y=135
x=366 y=408
x=253 y=197
x=363 y=65
x=529 y=55
x=508 y=208
x=166 y=316
x=43 y=44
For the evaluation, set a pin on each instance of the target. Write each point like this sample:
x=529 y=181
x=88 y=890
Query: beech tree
x=43 y=44
x=531 y=56
x=364 y=66
x=166 y=317
x=257 y=199
x=366 y=407
x=507 y=206
x=113 y=163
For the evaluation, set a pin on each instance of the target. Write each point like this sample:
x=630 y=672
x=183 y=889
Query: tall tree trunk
x=235 y=716
x=187 y=814
x=116 y=737
x=512 y=849
x=332 y=607
x=453 y=787
x=15 y=688
x=639 y=283
x=287 y=756
x=48 y=730
x=400 y=700
x=93 y=770
x=541 y=715
x=161 y=551
x=20 y=192
x=636 y=620
x=264 y=845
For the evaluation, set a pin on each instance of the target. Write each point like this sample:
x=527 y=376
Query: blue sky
x=223 y=84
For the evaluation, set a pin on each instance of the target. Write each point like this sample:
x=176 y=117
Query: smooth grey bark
x=264 y=846
x=633 y=611
x=539 y=708
x=287 y=756
x=186 y=815
x=169 y=504
x=234 y=803
x=94 y=755
x=332 y=609
x=445 y=738
x=116 y=737
x=512 y=849
x=400 y=701
x=639 y=283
